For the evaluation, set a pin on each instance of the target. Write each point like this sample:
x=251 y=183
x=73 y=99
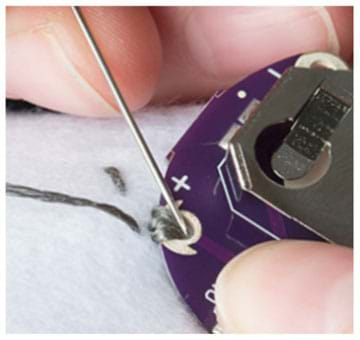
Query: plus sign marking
x=181 y=183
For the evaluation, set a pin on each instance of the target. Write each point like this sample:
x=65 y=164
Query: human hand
x=181 y=53
x=157 y=54
x=287 y=287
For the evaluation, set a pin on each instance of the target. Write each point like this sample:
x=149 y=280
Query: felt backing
x=76 y=269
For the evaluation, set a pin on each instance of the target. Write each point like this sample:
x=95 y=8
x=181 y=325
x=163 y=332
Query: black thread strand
x=56 y=197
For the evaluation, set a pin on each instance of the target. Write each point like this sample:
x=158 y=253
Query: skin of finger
x=36 y=36
x=209 y=48
x=287 y=287
x=342 y=17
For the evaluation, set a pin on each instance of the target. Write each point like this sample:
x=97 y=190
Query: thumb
x=287 y=287
x=49 y=63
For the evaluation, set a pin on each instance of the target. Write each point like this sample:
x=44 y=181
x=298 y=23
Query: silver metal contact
x=164 y=230
x=321 y=60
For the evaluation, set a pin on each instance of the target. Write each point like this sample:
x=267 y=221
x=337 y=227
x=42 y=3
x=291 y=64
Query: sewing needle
x=149 y=158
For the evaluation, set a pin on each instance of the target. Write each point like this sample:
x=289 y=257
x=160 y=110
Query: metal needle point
x=130 y=120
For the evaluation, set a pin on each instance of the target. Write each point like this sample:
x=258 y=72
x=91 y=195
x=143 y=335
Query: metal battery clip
x=308 y=174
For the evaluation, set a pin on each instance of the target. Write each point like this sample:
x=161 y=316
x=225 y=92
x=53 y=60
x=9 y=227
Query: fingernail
x=39 y=71
x=227 y=42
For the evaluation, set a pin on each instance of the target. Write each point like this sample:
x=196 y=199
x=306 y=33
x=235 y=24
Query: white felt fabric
x=77 y=269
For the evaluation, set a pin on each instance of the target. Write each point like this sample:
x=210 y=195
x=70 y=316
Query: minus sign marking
x=274 y=73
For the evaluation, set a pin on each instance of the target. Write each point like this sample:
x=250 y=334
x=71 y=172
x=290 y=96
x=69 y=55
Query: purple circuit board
x=201 y=175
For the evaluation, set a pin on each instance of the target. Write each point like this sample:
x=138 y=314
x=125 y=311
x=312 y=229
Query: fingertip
x=220 y=45
x=287 y=287
x=130 y=43
x=251 y=38
x=50 y=63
